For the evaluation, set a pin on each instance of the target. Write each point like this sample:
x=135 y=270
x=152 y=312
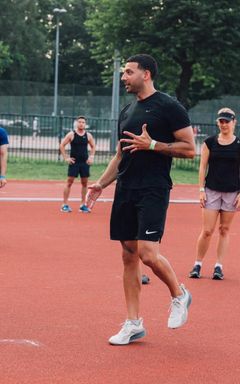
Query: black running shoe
x=195 y=273
x=145 y=279
x=217 y=274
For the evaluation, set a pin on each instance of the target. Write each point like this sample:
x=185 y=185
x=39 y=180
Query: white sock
x=218 y=265
x=198 y=263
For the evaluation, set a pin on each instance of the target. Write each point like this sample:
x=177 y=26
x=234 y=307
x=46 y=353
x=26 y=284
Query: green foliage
x=193 y=41
x=22 y=32
x=196 y=43
x=32 y=42
x=76 y=63
x=5 y=59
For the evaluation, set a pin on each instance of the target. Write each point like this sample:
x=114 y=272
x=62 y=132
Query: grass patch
x=180 y=176
x=20 y=169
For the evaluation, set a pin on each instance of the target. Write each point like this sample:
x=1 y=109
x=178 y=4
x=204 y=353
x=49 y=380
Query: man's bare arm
x=183 y=146
x=3 y=164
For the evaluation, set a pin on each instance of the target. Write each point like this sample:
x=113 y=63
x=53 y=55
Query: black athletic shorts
x=77 y=168
x=139 y=214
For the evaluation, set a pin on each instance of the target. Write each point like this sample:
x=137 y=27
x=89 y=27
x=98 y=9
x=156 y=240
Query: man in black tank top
x=152 y=129
x=79 y=161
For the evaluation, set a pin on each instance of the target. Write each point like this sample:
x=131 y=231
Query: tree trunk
x=182 y=89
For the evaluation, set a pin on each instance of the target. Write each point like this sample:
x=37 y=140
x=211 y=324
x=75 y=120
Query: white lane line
x=102 y=200
x=45 y=199
x=32 y=343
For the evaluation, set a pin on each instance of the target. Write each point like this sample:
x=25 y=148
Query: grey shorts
x=220 y=201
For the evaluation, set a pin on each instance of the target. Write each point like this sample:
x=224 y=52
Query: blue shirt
x=3 y=137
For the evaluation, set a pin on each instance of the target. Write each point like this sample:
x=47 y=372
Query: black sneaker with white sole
x=195 y=272
x=218 y=273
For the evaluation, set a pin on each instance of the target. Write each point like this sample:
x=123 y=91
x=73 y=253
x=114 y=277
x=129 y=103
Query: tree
x=5 y=59
x=193 y=41
x=75 y=62
x=28 y=29
x=23 y=32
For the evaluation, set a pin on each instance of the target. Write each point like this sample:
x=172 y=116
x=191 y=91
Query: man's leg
x=132 y=328
x=181 y=297
x=131 y=277
x=67 y=189
x=149 y=253
x=84 y=182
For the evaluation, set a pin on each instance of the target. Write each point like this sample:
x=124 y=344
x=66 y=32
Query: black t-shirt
x=223 y=165
x=79 y=147
x=163 y=115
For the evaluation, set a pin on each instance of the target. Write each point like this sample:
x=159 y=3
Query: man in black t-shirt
x=151 y=130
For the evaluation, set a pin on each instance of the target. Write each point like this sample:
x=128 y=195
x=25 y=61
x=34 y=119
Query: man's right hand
x=70 y=160
x=94 y=191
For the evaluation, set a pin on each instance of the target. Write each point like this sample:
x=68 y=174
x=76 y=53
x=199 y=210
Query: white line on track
x=21 y=342
x=102 y=200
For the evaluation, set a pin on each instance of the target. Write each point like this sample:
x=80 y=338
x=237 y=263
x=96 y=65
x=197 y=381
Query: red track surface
x=61 y=298
x=54 y=189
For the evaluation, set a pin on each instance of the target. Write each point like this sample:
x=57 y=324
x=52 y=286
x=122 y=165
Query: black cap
x=226 y=116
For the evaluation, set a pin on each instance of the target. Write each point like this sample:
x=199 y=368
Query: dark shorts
x=139 y=214
x=76 y=169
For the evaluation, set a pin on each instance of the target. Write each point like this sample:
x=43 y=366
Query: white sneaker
x=128 y=333
x=179 y=309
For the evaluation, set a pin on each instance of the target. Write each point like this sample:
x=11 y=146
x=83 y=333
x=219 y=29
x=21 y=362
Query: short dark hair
x=146 y=62
x=81 y=117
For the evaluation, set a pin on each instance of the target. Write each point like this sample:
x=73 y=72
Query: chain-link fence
x=33 y=98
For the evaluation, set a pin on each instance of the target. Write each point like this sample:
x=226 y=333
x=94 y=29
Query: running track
x=61 y=297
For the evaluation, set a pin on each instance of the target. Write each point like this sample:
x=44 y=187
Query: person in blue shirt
x=3 y=156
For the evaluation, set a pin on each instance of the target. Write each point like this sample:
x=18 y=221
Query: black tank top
x=223 y=165
x=79 y=147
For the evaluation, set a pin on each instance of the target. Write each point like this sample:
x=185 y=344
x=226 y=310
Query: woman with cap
x=219 y=187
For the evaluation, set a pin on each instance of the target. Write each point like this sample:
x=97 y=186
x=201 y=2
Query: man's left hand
x=90 y=160
x=137 y=143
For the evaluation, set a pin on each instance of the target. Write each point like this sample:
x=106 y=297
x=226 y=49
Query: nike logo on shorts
x=150 y=232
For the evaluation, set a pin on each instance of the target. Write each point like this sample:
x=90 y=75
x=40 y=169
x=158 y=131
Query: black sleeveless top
x=223 y=165
x=79 y=147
